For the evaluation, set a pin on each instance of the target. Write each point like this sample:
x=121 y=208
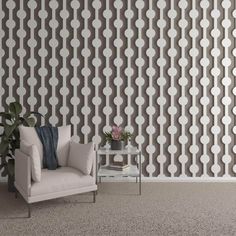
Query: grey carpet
x=163 y=209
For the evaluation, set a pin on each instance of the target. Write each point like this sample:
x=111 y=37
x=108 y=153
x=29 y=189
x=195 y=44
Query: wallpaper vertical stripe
x=163 y=69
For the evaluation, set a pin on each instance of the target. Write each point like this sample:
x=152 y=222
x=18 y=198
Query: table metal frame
x=129 y=152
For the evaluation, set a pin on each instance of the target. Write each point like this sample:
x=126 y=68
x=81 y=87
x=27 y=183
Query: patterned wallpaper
x=162 y=69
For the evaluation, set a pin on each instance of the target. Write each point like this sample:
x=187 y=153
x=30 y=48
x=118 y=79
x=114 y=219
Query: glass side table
x=132 y=171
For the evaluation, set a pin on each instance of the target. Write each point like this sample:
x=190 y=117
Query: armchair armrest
x=22 y=173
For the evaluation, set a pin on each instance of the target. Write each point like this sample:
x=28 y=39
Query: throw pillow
x=33 y=153
x=29 y=135
x=81 y=157
x=63 y=145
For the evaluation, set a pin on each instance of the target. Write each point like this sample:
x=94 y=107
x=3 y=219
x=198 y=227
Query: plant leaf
x=14 y=145
x=4 y=172
x=16 y=133
x=36 y=113
x=30 y=121
x=5 y=115
x=2 y=133
x=26 y=115
x=9 y=129
x=4 y=146
x=32 y=113
x=1 y=166
x=15 y=108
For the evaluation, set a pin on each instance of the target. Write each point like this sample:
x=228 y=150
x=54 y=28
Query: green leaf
x=5 y=172
x=26 y=115
x=32 y=113
x=14 y=145
x=5 y=115
x=108 y=136
x=4 y=147
x=3 y=160
x=9 y=129
x=15 y=108
x=2 y=134
x=2 y=124
x=30 y=121
x=9 y=155
x=16 y=133
x=36 y=113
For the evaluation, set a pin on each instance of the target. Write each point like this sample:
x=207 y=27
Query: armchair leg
x=94 y=196
x=29 y=210
x=16 y=195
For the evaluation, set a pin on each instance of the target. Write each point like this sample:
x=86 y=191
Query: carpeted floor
x=163 y=209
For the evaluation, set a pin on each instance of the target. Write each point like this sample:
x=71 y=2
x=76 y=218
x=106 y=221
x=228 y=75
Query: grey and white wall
x=163 y=69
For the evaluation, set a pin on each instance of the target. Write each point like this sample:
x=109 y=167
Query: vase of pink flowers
x=117 y=137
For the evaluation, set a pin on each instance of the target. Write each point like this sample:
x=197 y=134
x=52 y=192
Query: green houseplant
x=117 y=137
x=10 y=138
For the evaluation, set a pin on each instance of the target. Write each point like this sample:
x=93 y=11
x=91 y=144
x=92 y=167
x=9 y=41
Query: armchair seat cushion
x=61 y=179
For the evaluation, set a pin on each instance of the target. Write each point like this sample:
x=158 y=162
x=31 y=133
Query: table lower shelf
x=132 y=171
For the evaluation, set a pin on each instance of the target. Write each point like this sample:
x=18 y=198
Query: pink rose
x=116 y=132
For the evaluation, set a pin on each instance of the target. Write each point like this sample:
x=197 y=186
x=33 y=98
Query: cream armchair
x=64 y=181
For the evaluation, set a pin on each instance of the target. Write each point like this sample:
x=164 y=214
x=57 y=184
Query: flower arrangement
x=117 y=134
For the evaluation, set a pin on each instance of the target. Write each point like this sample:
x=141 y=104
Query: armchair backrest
x=29 y=135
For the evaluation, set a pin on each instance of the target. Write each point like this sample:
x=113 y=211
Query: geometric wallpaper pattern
x=163 y=69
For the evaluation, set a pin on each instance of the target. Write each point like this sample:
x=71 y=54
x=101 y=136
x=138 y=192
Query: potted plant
x=10 y=138
x=117 y=137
